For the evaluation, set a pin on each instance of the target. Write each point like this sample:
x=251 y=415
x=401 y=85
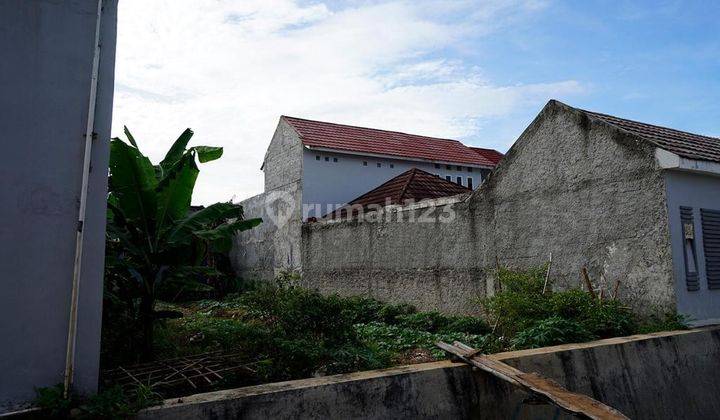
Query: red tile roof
x=382 y=142
x=689 y=145
x=410 y=186
x=490 y=154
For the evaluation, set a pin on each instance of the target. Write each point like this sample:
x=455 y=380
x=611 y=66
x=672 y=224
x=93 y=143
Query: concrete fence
x=655 y=376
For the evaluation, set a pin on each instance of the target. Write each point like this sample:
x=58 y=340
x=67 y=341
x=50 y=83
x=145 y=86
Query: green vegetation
x=530 y=318
x=112 y=403
x=289 y=332
x=155 y=243
x=286 y=332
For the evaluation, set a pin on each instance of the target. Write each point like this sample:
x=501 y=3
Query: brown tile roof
x=490 y=154
x=383 y=142
x=412 y=185
x=692 y=146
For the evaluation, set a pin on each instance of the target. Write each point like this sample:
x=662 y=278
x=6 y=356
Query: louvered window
x=711 y=246
x=688 y=230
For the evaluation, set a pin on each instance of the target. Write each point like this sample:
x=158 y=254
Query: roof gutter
x=397 y=157
x=671 y=161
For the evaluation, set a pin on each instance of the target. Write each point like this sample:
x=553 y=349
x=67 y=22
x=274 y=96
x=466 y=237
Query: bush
x=110 y=403
x=521 y=307
x=468 y=324
x=390 y=313
x=552 y=331
x=668 y=322
x=424 y=321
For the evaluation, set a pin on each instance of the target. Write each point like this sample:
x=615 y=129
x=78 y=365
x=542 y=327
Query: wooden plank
x=537 y=385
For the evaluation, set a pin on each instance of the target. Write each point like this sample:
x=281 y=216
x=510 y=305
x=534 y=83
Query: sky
x=475 y=71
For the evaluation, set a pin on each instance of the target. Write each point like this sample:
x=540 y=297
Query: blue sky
x=477 y=71
x=657 y=62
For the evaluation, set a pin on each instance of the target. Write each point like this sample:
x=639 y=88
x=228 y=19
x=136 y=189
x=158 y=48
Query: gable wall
x=274 y=246
x=582 y=190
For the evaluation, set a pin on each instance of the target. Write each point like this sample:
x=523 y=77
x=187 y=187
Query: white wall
x=337 y=178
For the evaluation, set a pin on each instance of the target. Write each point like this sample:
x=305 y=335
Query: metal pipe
x=77 y=268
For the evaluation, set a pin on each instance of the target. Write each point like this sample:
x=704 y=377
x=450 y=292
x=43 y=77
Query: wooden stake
x=547 y=274
x=588 y=283
x=615 y=289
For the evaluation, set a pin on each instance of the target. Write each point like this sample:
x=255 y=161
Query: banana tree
x=153 y=238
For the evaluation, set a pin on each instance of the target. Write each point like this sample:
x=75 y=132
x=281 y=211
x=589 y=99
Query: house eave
x=670 y=161
x=396 y=157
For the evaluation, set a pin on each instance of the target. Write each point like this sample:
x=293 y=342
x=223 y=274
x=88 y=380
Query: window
x=688 y=232
x=317 y=157
x=379 y=165
x=437 y=166
x=469 y=169
x=459 y=180
x=437 y=175
x=327 y=159
x=711 y=243
x=334 y=159
x=448 y=178
x=392 y=165
x=364 y=163
x=448 y=167
x=459 y=168
x=469 y=184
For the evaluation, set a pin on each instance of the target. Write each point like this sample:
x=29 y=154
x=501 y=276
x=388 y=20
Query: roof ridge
x=374 y=129
x=413 y=171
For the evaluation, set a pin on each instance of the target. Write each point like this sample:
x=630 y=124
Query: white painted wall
x=332 y=178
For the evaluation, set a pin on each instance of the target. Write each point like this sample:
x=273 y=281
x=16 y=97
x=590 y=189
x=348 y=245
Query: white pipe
x=77 y=269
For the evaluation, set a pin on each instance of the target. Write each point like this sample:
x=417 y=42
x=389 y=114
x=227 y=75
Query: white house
x=340 y=162
x=312 y=168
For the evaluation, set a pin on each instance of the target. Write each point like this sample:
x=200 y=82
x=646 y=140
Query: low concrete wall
x=655 y=376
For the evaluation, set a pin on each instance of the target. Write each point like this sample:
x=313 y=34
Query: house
x=412 y=186
x=636 y=204
x=337 y=162
x=312 y=168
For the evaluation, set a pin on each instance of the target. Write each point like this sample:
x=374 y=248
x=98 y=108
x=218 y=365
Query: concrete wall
x=577 y=187
x=696 y=191
x=274 y=246
x=656 y=376
x=330 y=183
x=45 y=83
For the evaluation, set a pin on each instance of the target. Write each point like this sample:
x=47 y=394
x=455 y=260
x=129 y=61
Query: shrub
x=389 y=313
x=468 y=324
x=521 y=305
x=668 y=322
x=424 y=321
x=552 y=331
x=110 y=403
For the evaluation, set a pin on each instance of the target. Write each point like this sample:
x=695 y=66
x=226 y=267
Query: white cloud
x=229 y=69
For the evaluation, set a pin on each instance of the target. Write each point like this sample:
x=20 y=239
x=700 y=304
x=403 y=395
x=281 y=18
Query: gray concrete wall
x=696 y=191
x=329 y=183
x=656 y=376
x=45 y=83
x=274 y=246
x=579 y=188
